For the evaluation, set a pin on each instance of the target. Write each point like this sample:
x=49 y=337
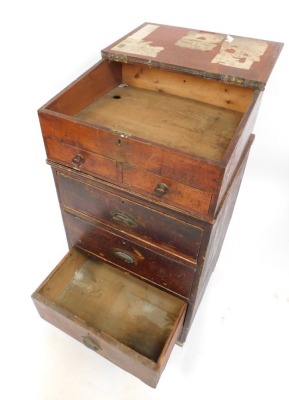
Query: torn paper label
x=140 y=47
x=203 y=41
x=240 y=53
x=136 y=45
x=144 y=31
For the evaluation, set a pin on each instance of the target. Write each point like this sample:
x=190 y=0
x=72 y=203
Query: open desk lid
x=233 y=59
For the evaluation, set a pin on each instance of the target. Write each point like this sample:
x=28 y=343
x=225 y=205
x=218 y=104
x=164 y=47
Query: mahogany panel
x=80 y=159
x=93 y=84
x=216 y=234
x=104 y=309
x=222 y=56
x=171 y=234
x=176 y=194
x=140 y=261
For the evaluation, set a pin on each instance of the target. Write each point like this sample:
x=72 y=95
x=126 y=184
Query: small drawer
x=80 y=159
x=167 y=191
x=138 y=260
x=122 y=318
x=173 y=235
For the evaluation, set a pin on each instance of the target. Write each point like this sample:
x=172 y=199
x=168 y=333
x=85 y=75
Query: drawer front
x=181 y=168
x=140 y=261
x=80 y=159
x=121 y=318
x=173 y=235
x=176 y=194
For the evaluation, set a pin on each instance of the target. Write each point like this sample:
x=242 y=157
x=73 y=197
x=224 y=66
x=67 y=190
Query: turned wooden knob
x=77 y=160
x=161 y=189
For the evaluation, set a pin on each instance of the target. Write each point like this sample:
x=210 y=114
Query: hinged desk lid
x=234 y=59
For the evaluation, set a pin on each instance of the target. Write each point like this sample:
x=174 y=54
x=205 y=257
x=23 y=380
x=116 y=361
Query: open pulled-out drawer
x=124 y=319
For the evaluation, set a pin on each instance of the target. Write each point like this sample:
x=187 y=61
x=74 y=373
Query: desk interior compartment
x=174 y=125
x=183 y=112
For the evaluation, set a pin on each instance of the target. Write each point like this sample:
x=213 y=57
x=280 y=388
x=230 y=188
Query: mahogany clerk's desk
x=148 y=150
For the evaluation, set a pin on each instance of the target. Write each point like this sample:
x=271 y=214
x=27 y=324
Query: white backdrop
x=238 y=346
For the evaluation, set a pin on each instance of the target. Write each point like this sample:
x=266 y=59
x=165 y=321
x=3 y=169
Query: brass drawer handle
x=88 y=342
x=125 y=219
x=77 y=160
x=123 y=256
x=161 y=189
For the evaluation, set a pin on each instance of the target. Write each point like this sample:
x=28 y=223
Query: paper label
x=136 y=45
x=144 y=31
x=240 y=53
x=203 y=41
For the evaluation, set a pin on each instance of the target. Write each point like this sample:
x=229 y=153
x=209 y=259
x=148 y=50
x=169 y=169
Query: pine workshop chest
x=148 y=150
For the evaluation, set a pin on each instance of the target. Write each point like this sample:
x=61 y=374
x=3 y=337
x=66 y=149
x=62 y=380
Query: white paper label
x=134 y=44
x=203 y=41
x=240 y=53
x=144 y=31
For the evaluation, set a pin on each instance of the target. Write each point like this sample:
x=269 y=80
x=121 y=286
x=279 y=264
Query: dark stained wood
x=141 y=261
x=244 y=61
x=128 y=216
x=124 y=191
x=213 y=241
x=241 y=141
x=126 y=320
x=148 y=149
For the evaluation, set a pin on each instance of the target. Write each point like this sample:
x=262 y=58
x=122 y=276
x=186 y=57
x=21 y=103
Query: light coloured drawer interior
x=122 y=318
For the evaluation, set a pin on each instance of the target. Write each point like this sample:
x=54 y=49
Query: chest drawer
x=170 y=125
x=149 y=142
x=122 y=318
x=167 y=191
x=81 y=159
x=138 y=260
x=147 y=224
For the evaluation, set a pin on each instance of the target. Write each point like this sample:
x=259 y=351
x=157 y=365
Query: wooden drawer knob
x=161 y=189
x=77 y=160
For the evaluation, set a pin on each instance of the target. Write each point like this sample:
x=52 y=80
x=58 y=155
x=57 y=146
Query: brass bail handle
x=125 y=219
x=123 y=256
x=89 y=343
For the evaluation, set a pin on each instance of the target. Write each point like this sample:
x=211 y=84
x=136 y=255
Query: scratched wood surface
x=128 y=309
x=131 y=217
x=222 y=56
x=180 y=123
x=79 y=280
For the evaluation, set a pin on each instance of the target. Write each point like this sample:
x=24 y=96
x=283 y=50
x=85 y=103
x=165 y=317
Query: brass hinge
x=117 y=57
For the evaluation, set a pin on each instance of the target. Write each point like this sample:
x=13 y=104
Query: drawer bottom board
x=141 y=320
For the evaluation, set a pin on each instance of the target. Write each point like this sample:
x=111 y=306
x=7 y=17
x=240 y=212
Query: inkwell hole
x=117 y=97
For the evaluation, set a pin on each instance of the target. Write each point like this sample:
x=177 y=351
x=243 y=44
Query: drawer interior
x=127 y=309
x=195 y=115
